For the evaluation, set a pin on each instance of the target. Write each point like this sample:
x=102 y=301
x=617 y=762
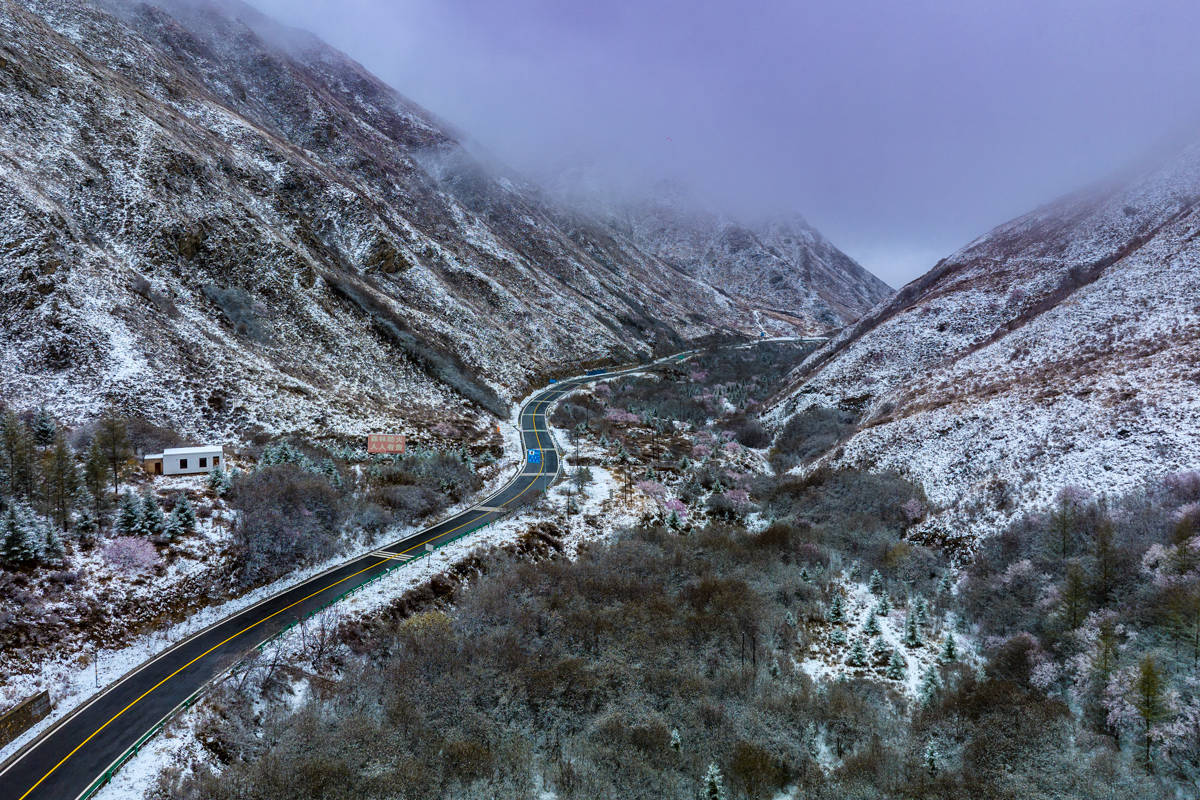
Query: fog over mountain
x=901 y=131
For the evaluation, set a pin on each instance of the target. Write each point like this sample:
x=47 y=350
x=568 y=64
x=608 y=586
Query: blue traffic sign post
x=535 y=456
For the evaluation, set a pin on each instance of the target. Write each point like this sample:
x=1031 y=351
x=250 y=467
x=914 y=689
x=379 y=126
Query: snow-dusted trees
x=153 y=521
x=59 y=480
x=20 y=536
x=897 y=668
x=837 y=611
x=714 y=783
x=875 y=585
x=112 y=441
x=129 y=515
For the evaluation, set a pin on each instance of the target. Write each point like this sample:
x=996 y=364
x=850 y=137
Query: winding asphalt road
x=72 y=755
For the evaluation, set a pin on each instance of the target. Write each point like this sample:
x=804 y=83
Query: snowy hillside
x=225 y=225
x=782 y=265
x=1059 y=349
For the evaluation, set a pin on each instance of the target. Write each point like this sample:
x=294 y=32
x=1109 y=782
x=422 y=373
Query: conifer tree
x=875 y=585
x=129 y=515
x=880 y=650
x=885 y=606
x=186 y=515
x=931 y=759
x=947 y=587
x=912 y=636
x=949 y=650
x=858 y=655
x=44 y=428
x=931 y=684
x=16 y=457
x=20 y=546
x=897 y=669
x=714 y=783
x=871 y=626
x=219 y=481
x=676 y=742
x=85 y=519
x=54 y=554
x=837 y=614
x=59 y=481
x=921 y=611
x=152 y=516
x=95 y=478
x=112 y=438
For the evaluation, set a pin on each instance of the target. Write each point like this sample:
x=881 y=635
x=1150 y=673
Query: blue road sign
x=535 y=456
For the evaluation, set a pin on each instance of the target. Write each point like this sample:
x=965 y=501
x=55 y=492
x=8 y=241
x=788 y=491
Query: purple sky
x=900 y=129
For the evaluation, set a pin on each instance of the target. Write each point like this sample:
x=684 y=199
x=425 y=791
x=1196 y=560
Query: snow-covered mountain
x=225 y=224
x=1059 y=349
x=781 y=264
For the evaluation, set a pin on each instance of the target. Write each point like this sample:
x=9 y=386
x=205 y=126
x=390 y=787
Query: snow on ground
x=826 y=659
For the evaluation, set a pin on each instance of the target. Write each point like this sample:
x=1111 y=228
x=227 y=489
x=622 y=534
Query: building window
x=183 y=463
x=216 y=461
x=203 y=462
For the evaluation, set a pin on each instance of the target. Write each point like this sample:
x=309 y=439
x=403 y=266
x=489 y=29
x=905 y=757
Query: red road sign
x=385 y=443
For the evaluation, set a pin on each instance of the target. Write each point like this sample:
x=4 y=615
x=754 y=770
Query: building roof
x=183 y=451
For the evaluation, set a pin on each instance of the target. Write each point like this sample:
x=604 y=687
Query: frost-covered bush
x=289 y=517
x=131 y=554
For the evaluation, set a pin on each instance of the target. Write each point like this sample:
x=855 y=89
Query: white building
x=185 y=460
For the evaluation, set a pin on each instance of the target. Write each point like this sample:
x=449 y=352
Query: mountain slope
x=225 y=225
x=781 y=264
x=1058 y=349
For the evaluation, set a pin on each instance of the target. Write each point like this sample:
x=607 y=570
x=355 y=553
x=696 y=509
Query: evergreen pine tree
x=789 y=618
x=673 y=521
x=804 y=576
x=876 y=583
x=879 y=650
x=53 y=554
x=897 y=669
x=885 y=606
x=60 y=480
x=871 y=626
x=858 y=655
x=676 y=742
x=152 y=516
x=931 y=684
x=714 y=783
x=837 y=614
x=129 y=515
x=95 y=478
x=44 y=428
x=947 y=587
x=949 y=650
x=219 y=481
x=810 y=739
x=921 y=611
x=112 y=439
x=20 y=542
x=912 y=636
x=85 y=519
x=837 y=636
x=186 y=514
x=171 y=528
x=931 y=759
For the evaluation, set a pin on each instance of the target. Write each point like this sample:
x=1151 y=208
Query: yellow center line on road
x=156 y=686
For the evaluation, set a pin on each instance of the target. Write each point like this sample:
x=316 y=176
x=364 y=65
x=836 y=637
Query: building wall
x=172 y=462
